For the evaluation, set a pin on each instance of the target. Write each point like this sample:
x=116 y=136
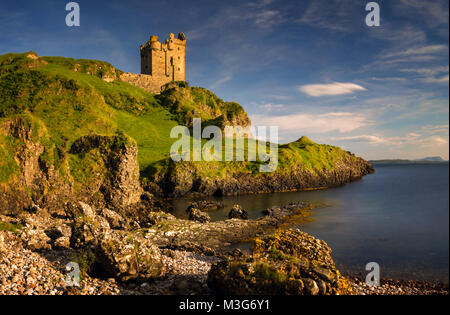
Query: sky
x=311 y=67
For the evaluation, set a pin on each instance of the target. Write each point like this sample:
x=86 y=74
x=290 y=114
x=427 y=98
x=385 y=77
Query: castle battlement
x=161 y=63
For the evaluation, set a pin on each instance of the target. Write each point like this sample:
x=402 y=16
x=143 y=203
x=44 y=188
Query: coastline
x=190 y=272
x=30 y=265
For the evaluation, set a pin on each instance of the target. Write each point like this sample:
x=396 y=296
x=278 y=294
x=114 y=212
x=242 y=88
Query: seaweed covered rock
x=237 y=212
x=280 y=212
x=288 y=262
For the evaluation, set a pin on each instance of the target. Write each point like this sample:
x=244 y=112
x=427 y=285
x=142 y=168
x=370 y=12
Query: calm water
x=398 y=217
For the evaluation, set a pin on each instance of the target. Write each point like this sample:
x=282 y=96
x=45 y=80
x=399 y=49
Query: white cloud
x=336 y=88
x=308 y=124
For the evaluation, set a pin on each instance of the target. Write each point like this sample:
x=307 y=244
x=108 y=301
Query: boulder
x=237 y=212
x=287 y=210
x=127 y=256
x=197 y=215
x=59 y=236
x=86 y=231
x=288 y=262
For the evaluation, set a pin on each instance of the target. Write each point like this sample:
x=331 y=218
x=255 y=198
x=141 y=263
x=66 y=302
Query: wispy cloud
x=431 y=71
x=336 y=88
x=333 y=15
x=309 y=123
x=418 y=50
x=260 y=14
x=435 y=12
x=443 y=79
x=364 y=138
x=224 y=79
x=435 y=129
x=408 y=139
x=278 y=97
x=270 y=107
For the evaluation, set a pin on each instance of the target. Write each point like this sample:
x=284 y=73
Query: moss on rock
x=287 y=262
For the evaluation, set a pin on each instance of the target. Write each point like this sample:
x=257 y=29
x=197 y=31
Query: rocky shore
x=165 y=255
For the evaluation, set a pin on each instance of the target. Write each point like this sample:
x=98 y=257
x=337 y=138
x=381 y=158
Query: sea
x=397 y=217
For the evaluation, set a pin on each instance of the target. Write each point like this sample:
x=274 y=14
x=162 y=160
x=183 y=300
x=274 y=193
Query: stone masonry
x=160 y=63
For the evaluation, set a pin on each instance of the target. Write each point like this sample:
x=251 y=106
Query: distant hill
x=433 y=159
x=427 y=160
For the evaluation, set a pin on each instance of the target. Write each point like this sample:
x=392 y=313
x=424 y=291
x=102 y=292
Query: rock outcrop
x=289 y=262
x=237 y=212
x=185 y=178
x=197 y=215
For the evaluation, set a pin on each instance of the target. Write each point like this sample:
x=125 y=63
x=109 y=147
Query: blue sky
x=311 y=67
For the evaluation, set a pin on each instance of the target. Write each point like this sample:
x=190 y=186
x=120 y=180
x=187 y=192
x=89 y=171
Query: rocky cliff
x=106 y=164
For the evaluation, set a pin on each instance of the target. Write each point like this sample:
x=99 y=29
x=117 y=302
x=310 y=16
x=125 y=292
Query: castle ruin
x=161 y=63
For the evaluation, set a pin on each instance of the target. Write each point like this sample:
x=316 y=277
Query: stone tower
x=164 y=62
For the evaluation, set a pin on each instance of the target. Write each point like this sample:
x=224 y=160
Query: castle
x=160 y=63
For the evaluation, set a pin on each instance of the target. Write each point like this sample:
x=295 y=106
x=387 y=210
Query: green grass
x=186 y=103
x=151 y=132
x=311 y=155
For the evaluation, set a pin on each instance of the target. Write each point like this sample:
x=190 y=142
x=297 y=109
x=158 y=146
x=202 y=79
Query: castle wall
x=143 y=81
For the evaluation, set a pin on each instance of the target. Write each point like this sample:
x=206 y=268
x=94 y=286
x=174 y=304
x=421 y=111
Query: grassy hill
x=70 y=98
x=63 y=99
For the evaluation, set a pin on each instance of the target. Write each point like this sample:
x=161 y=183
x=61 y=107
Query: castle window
x=179 y=69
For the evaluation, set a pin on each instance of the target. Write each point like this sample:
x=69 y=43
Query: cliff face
x=107 y=174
